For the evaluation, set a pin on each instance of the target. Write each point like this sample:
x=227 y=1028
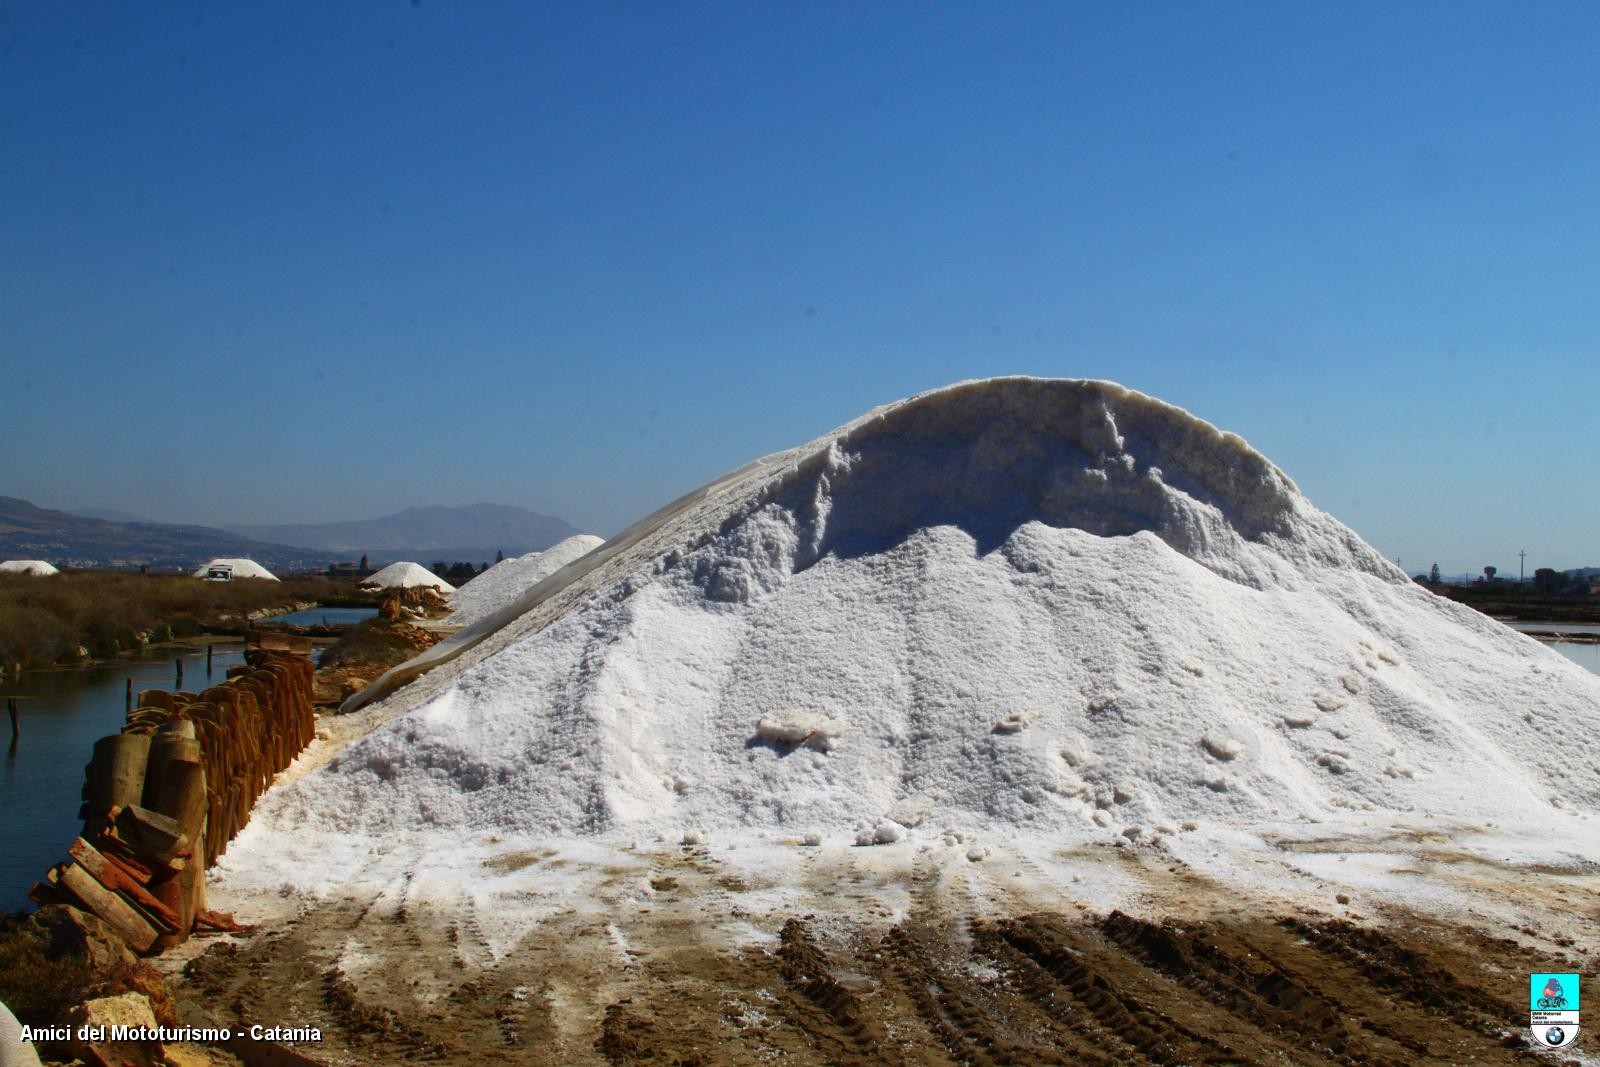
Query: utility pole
x=1522 y=558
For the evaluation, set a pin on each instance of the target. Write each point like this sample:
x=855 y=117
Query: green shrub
x=105 y=638
x=34 y=637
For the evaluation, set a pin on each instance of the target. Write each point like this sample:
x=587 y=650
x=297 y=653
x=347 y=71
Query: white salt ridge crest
x=507 y=580
x=1051 y=605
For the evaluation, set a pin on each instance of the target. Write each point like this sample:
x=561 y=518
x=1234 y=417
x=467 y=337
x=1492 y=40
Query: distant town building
x=349 y=568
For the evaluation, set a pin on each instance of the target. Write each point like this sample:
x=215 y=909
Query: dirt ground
x=920 y=972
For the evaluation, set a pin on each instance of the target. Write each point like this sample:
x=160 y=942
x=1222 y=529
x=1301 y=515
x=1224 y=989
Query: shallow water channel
x=1583 y=655
x=61 y=715
x=320 y=616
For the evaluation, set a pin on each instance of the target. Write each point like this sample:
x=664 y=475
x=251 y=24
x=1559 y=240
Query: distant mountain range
x=30 y=532
x=475 y=532
x=83 y=540
x=108 y=514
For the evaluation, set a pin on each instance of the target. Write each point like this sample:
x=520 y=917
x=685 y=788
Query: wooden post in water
x=181 y=796
x=167 y=746
x=208 y=661
x=116 y=776
x=179 y=664
x=127 y=700
x=11 y=706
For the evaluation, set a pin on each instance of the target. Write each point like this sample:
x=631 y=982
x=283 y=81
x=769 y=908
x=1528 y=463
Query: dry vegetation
x=1524 y=603
x=45 y=621
x=37 y=983
x=376 y=642
x=363 y=653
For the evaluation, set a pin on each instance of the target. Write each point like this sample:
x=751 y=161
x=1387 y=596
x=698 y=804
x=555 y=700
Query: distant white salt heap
x=406 y=576
x=510 y=578
x=36 y=567
x=236 y=568
x=1034 y=606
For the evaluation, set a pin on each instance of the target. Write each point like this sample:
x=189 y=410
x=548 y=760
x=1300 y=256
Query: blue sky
x=310 y=262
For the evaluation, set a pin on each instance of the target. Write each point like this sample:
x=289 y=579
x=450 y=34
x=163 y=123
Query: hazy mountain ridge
x=29 y=531
x=426 y=531
x=107 y=514
x=475 y=533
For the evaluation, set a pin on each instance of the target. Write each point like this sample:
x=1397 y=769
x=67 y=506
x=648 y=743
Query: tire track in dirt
x=934 y=992
x=946 y=985
x=1086 y=971
x=950 y=1007
x=1241 y=978
x=1415 y=985
x=1076 y=1032
x=809 y=971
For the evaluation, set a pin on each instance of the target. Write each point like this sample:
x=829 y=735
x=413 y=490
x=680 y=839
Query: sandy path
x=914 y=956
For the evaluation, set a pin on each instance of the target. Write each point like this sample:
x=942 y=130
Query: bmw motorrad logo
x=1553 y=1001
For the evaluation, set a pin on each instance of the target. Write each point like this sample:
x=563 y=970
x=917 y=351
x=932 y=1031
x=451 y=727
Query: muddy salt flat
x=1022 y=720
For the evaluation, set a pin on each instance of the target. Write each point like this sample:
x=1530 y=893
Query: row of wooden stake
x=163 y=798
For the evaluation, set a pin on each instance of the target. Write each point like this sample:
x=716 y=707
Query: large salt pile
x=510 y=578
x=1038 y=606
x=36 y=567
x=235 y=568
x=406 y=576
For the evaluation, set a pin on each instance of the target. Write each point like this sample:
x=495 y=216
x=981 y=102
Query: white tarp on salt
x=235 y=568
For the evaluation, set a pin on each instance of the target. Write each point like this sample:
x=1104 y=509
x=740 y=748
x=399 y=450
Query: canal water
x=61 y=715
x=320 y=616
x=1587 y=628
x=1583 y=655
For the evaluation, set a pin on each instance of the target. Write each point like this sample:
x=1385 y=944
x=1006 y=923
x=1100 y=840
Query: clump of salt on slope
x=1050 y=606
x=510 y=578
x=406 y=576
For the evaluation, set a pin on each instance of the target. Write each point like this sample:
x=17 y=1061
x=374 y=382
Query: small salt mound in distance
x=510 y=578
x=406 y=576
x=1051 y=607
x=36 y=567
x=238 y=568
